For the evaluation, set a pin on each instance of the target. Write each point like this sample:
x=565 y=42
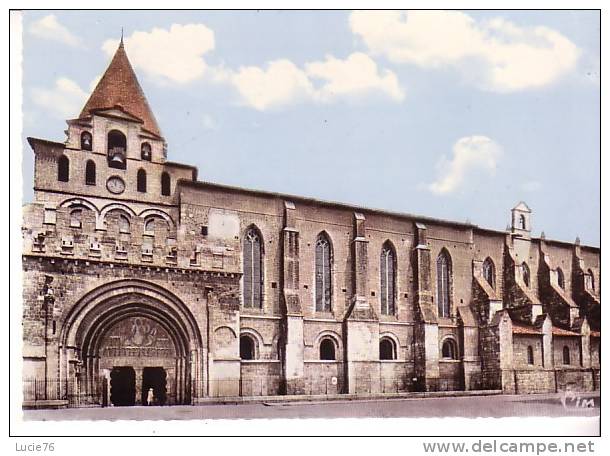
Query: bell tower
x=520 y=220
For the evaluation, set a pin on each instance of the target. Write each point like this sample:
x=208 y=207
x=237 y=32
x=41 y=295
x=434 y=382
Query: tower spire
x=121 y=44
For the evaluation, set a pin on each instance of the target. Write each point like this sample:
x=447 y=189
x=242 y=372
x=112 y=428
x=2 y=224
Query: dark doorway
x=123 y=386
x=155 y=378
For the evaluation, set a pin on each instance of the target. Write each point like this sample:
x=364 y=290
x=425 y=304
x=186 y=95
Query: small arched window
x=117 y=149
x=76 y=218
x=449 y=349
x=141 y=184
x=124 y=226
x=561 y=279
x=165 y=184
x=530 y=355
x=90 y=173
x=252 y=270
x=86 y=141
x=247 y=347
x=63 y=169
x=566 y=355
x=443 y=284
x=525 y=270
x=489 y=272
x=387 y=270
x=323 y=274
x=146 y=151
x=522 y=221
x=327 y=349
x=387 y=350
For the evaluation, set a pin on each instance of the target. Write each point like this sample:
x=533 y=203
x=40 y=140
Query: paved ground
x=481 y=406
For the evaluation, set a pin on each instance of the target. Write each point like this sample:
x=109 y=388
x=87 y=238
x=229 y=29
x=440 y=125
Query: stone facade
x=133 y=283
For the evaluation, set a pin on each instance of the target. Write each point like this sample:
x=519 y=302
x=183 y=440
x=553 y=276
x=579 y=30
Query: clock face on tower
x=115 y=185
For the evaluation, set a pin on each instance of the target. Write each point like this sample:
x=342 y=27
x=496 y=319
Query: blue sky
x=456 y=115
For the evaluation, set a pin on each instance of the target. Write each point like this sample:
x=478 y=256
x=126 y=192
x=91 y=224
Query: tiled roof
x=119 y=86
x=563 y=332
x=523 y=329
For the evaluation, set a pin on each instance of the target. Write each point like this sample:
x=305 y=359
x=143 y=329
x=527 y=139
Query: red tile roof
x=119 y=86
x=523 y=329
x=563 y=332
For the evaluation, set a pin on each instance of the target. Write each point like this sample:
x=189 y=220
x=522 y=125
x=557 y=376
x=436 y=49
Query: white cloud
x=168 y=56
x=470 y=155
x=282 y=82
x=209 y=123
x=495 y=54
x=49 y=28
x=64 y=100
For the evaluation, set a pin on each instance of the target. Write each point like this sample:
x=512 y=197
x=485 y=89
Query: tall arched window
x=560 y=278
x=443 y=284
x=526 y=274
x=522 y=221
x=253 y=271
x=63 y=169
x=86 y=141
x=449 y=349
x=323 y=274
x=489 y=272
x=123 y=224
x=387 y=350
x=141 y=185
x=90 y=173
x=146 y=151
x=247 y=347
x=165 y=184
x=117 y=149
x=566 y=355
x=327 y=349
x=589 y=280
x=530 y=355
x=387 y=270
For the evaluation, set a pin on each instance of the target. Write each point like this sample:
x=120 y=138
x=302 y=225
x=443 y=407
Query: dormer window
x=146 y=152
x=86 y=141
x=117 y=150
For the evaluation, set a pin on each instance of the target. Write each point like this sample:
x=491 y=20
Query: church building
x=138 y=276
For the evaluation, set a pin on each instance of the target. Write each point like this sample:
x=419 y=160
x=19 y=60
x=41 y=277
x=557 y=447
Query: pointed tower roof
x=119 y=86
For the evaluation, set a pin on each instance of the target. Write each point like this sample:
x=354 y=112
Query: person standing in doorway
x=150 y=397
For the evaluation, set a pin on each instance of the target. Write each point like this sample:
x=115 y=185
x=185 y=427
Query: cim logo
x=572 y=401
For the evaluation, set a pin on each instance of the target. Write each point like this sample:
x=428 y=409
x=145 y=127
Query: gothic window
x=387 y=350
x=141 y=184
x=146 y=152
x=560 y=278
x=247 y=347
x=149 y=225
x=526 y=274
x=388 y=279
x=443 y=284
x=63 y=169
x=323 y=274
x=165 y=184
x=566 y=355
x=76 y=216
x=489 y=273
x=117 y=150
x=86 y=141
x=327 y=349
x=522 y=221
x=530 y=355
x=90 y=173
x=589 y=281
x=253 y=274
x=449 y=349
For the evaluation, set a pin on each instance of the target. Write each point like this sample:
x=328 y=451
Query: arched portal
x=133 y=325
